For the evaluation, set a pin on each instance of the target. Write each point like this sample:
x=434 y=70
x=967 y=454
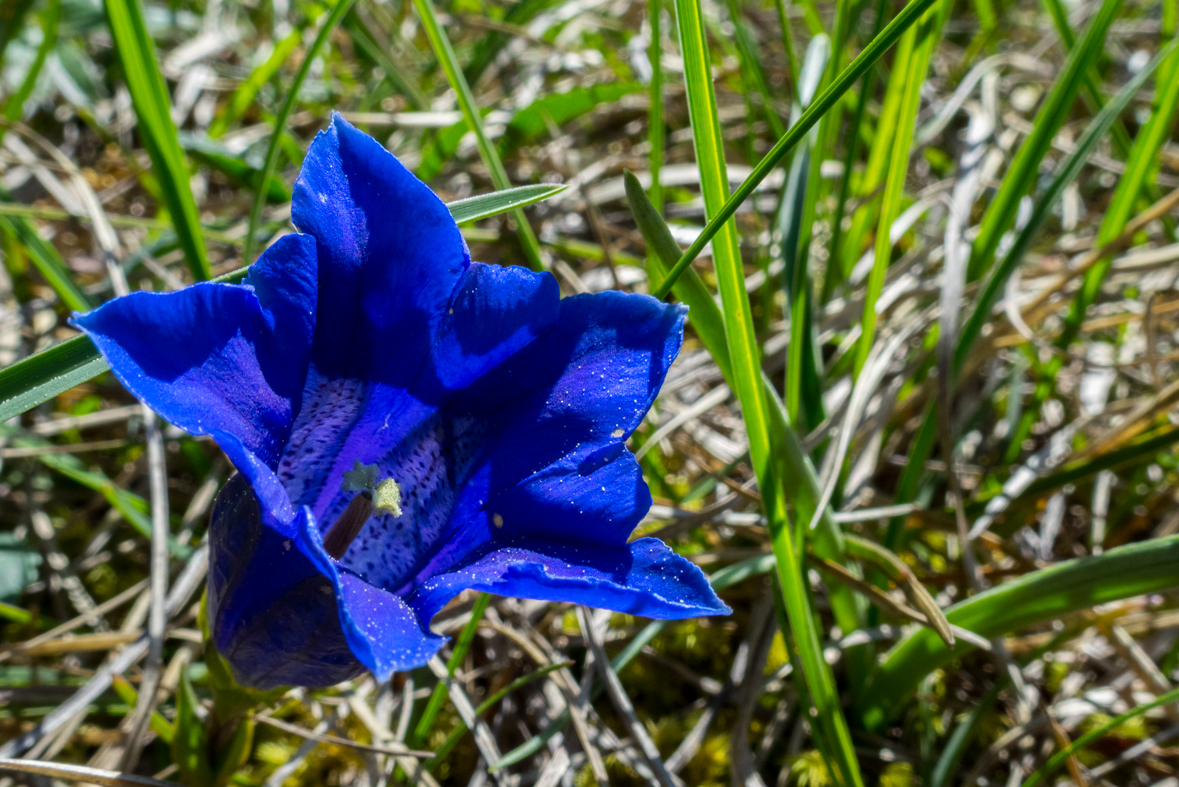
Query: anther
x=383 y=497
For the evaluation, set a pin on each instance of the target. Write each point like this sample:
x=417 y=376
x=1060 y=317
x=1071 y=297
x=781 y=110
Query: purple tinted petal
x=381 y=630
x=390 y=256
x=272 y=613
x=214 y=358
x=642 y=578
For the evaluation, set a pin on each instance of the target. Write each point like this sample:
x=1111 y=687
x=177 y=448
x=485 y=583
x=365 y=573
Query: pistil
x=380 y=496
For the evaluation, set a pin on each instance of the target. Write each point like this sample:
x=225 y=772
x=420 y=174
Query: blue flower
x=406 y=424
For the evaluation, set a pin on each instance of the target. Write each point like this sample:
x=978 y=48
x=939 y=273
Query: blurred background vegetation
x=958 y=274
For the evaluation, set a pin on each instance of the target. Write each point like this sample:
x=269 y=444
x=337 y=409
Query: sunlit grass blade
x=280 y=121
x=426 y=723
x=458 y=82
x=1045 y=203
x=485 y=205
x=40 y=377
x=835 y=264
x=244 y=95
x=50 y=18
x=365 y=41
x=655 y=127
x=1123 y=572
x=798 y=478
x=1059 y=758
x=804 y=391
x=925 y=37
x=1053 y=112
x=745 y=356
x=47 y=261
x=149 y=95
x=1140 y=170
x=871 y=53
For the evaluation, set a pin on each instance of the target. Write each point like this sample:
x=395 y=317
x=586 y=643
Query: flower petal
x=559 y=413
x=390 y=255
x=272 y=613
x=493 y=314
x=641 y=578
x=219 y=359
x=380 y=628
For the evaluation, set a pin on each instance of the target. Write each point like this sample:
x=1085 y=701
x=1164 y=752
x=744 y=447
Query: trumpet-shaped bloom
x=366 y=350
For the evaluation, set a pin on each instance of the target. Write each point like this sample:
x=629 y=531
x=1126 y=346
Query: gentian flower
x=406 y=424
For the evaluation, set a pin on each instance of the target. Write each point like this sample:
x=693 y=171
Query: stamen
x=348 y=526
x=375 y=496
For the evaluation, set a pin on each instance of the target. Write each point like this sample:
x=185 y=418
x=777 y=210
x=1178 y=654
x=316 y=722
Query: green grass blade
x=799 y=480
x=835 y=265
x=925 y=38
x=485 y=205
x=1140 y=170
x=365 y=41
x=1044 y=204
x=244 y=95
x=1059 y=758
x=47 y=261
x=49 y=21
x=40 y=377
x=1123 y=572
x=745 y=356
x=461 y=646
x=857 y=68
x=655 y=127
x=1021 y=175
x=458 y=82
x=804 y=390
x=280 y=120
x=153 y=107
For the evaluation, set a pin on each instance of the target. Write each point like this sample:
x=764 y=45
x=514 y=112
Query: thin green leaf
x=1123 y=572
x=280 y=120
x=1053 y=112
x=1044 y=204
x=485 y=205
x=466 y=637
x=153 y=111
x=458 y=82
x=1061 y=756
x=190 y=744
x=745 y=355
x=244 y=95
x=925 y=38
x=49 y=21
x=47 y=261
x=871 y=53
x=39 y=378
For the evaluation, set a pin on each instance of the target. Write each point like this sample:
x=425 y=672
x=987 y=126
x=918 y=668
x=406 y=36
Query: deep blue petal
x=219 y=359
x=380 y=628
x=641 y=578
x=390 y=256
x=214 y=357
x=272 y=613
x=494 y=313
x=560 y=412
